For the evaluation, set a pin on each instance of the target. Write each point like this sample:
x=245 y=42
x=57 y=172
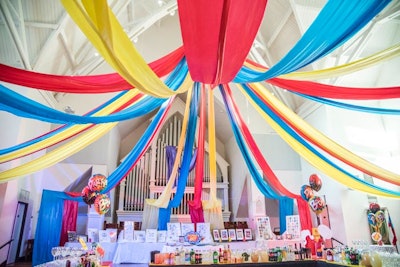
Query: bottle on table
x=215 y=256
x=296 y=253
x=192 y=256
x=229 y=255
x=221 y=256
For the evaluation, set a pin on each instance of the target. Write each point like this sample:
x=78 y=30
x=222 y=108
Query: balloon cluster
x=91 y=194
x=316 y=203
x=377 y=221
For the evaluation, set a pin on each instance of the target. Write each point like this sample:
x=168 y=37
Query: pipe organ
x=150 y=175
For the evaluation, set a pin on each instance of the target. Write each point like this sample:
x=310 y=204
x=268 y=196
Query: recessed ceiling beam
x=22 y=51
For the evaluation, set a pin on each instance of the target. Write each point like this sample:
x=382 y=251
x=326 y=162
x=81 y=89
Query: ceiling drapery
x=216 y=61
x=217 y=37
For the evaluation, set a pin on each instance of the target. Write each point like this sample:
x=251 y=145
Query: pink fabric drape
x=195 y=206
x=217 y=36
x=70 y=213
x=93 y=84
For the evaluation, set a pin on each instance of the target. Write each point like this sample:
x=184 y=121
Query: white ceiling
x=38 y=35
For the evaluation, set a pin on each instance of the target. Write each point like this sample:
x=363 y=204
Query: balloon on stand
x=374 y=207
x=317 y=204
x=380 y=216
x=102 y=204
x=88 y=195
x=97 y=182
x=306 y=192
x=371 y=219
x=315 y=182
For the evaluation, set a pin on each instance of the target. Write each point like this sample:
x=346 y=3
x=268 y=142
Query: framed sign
x=248 y=235
x=239 y=234
x=224 y=235
x=216 y=235
x=232 y=234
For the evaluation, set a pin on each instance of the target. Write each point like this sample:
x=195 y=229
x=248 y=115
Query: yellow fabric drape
x=102 y=28
x=212 y=208
x=59 y=153
x=316 y=161
x=389 y=53
x=71 y=131
x=163 y=199
x=327 y=143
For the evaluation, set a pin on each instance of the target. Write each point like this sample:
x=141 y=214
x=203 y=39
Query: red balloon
x=374 y=207
x=97 y=182
x=315 y=182
x=88 y=195
x=102 y=204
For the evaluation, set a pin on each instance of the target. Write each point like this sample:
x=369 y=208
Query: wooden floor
x=21 y=264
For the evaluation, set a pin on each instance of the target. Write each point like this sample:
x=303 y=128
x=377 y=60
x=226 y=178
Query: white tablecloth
x=109 y=248
x=132 y=252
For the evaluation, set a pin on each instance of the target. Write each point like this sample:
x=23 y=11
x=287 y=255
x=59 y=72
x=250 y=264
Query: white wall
x=346 y=206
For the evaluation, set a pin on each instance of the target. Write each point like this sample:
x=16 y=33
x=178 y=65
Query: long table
x=304 y=263
x=132 y=252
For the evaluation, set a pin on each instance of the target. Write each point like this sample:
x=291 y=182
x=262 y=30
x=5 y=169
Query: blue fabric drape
x=173 y=81
x=19 y=105
x=352 y=107
x=164 y=214
x=170 y=152
x=337 y=22
x=48 y=229
x=264 y=188
x=290 y=131
x=58 y=130
x=285 y=209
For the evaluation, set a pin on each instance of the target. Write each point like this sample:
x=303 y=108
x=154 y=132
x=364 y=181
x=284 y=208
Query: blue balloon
x=306 y=192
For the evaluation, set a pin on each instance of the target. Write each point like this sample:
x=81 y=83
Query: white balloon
x=305 y=233
x=325 y=231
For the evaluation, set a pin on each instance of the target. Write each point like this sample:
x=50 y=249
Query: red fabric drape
x=272 y=180
x=322 y=146
x=304 y=214
x=217 y=36
x=195 y=206
x=70 y=214
x=84 y=84
x=331 y=91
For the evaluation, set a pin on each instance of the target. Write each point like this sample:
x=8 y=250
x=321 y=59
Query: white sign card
x=129 y=227
x=93 y=235
x=186 y=228
x=205 y=232
x=103 y=236
x=151 y=235
x=264 y=230
x=293 y=227
x=139 y=236
x=161 y=236
x=173 y=232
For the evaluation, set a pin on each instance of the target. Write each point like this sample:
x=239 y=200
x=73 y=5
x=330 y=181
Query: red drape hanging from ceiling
x=333 y=91
x=70 y=213
x=84 y=84
x=217 y=36
x=195 y=206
